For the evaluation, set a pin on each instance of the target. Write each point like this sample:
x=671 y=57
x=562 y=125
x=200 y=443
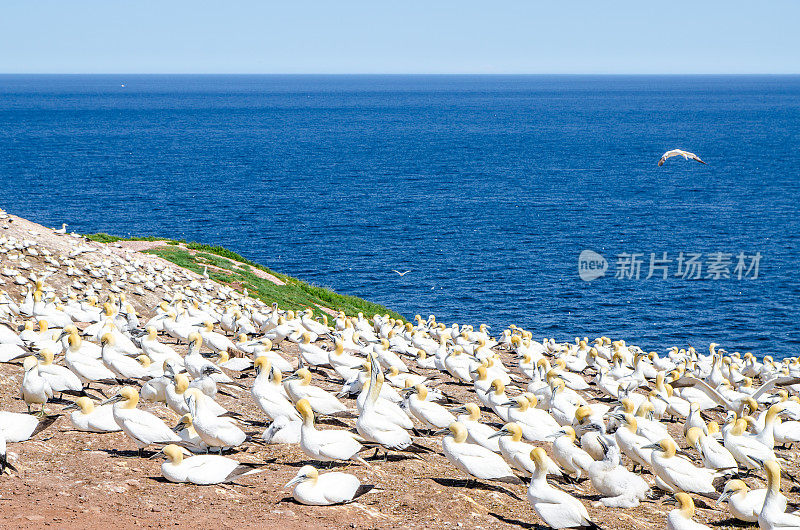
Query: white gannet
x=203 y=469
x=620 y=488
x=477 y=432
x=268 y=391
x=216 y=431
x=89 y=418
x=678 y=473
x=679 y=152
x=35 y=389
x=474 y=459
x=681 y=518
x=773 y=514
x=298 y=386
x=326 y=489
x=558 y=509
x=744 y=504
x=327 y=445
x=139 y=425
x=713 y=454
x=429 y=413
x=283 y=430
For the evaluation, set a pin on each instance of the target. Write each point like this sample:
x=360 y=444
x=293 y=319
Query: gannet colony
x=127 y=381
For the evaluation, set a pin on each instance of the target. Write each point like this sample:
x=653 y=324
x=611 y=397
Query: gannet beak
x=501 y=432
x=652 y=446
x=157 y=454
x=71 y=406
x=112 y=399
x=462 y=408
x=441 y=431
x=291 y=377
x=295 y=480
x=724 y=496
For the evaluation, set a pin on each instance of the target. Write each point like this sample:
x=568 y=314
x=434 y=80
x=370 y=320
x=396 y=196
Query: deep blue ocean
x=487 y=188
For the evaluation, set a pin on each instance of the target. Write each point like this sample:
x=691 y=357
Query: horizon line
x=486 y=74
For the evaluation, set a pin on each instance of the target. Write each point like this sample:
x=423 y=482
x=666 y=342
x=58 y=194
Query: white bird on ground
x=327 y=445
x=269 y=394
x=773 y=514
x=140 y=426
x=556 y=508
x=474 y=459
x=744 y=504
x=298 y=386
x=478 y=433
x=203 y=469
x=283 y=430
x=429 y=413
x=35 y=389
x=326 y=489
x=678 y=152
x=89 y=418
x=678 y=473
x=619 y=487
x=216 y=431
x=681 y=518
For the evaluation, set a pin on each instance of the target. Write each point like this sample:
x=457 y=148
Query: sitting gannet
x=681 y=518
x=474 y=459
x=744 y=504
x=773 y=514
x=89 y=418
x=140 y=426
x=324 y=490
x=556 y=508
x=202 y=469
x=329 y=444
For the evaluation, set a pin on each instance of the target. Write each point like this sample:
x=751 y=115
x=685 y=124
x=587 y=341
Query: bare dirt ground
x=69 y=479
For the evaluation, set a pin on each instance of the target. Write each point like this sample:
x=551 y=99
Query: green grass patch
x=296 y=294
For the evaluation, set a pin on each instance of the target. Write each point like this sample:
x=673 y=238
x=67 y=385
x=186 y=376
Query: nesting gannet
x=268 y=391
x=215 y=431
x=378 y=421
x=428 y=412
x=477 y=432
x=141 y=426
x=283 y=430
x=298 y=386
x=773 y=514
x=203 y=469
x=35 y=389
x=16 y=427
x=315 y=489
x=517 y=453
x=681 y=517
x=620 y=488
x=556 y=508
x=89 y=418
x=678 y=473
x=572 y=459
x=713 y=454
x=327 y=445
x=744 y=504
x=679 y=152
x=474 y=459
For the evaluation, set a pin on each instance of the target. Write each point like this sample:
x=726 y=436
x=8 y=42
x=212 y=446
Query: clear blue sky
x=408 y=36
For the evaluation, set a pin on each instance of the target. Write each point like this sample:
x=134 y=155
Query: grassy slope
x=238 y=272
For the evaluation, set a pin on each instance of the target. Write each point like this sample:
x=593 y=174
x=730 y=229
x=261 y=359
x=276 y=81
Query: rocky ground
x=73 y=479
